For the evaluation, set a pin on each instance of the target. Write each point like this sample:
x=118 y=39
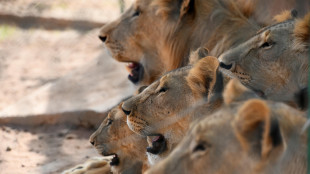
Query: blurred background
x=46 y=50
x=53 y=71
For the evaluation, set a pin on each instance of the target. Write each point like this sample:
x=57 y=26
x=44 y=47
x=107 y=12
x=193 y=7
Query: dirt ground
x=69 y=72
x=43 y=149
x=48 y=143
x=56 y=86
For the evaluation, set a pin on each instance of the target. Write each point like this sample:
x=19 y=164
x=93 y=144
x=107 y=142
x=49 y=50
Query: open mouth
x=113 y=158
x=136 y=72
x=158 y=144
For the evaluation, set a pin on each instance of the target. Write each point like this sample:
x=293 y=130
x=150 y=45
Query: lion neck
x=303 y=72
x=173 y=135
x=298 y=64
x=217 y=25
x=134 y=167
x=228 y=24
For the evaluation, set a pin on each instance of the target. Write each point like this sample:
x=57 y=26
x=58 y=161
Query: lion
x=246 y=135
x=114 y=138
x=274 y=62
x=163 y=111
x=157 y=36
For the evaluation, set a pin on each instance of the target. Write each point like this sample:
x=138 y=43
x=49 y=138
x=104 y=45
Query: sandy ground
x=56 y=71
x=70 y=72
x=43 y=149
x=49 y=143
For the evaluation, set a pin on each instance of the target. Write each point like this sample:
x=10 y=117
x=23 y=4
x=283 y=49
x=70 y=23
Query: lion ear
x=257 y=133
x=185 y=7
x=172 y=7
x=198 y=54
x=202 y=76
x=235 y=91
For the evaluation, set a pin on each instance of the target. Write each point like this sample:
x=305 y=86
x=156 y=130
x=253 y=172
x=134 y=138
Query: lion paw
x=92 y=166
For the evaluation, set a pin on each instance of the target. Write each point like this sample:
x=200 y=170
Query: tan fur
x=285 y=15
x=168 y=105
x=274 y=62
x=92 y=166
x=114 y=136
x=163 y=35
x=198 y=54
x=250 y=115
x=302 y=32
x=201 y=76
x=250 y=136
x=232 y=17
x=234 y=91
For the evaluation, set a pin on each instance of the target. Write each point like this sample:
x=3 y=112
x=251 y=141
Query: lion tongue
x=132 y=65
x=135 y=72
x=158 y=144
x=156 y=138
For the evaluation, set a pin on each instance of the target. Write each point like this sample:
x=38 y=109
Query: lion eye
x=141 y=89
x=109 y=122
x=202 y=146
x=199 y=147
x=266 y=45
x=137 y=13
x=163 y=89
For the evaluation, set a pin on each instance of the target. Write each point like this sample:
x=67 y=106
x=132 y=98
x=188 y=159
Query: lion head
x=113 y=137
x=132 y=38
x=246 y=135
x=164 y=110
x=274 y=62
x=155 y=37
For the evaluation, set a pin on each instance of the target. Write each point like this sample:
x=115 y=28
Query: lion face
x=133 y=38
x=269 y=63
x=113 y=137
x=157 y=112
x=253 y=136
x=163 y=110
x=201 y=150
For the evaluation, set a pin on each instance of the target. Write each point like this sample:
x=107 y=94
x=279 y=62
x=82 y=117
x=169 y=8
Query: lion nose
x=128 y=105
x=126 y=111
x=223 y=65
x=103 y=38
x=92 y=139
